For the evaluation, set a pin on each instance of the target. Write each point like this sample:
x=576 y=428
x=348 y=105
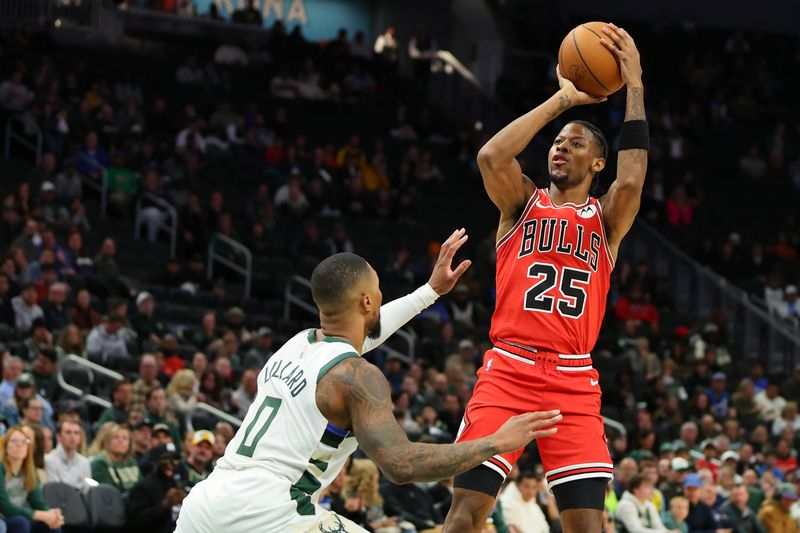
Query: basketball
x=587 y=63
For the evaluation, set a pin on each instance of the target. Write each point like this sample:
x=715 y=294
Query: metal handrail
x=245 y=271
x=171 y=211
x=11 y=135
x=222 y=415
x=289 y=298
x=616 y=425
x=92 y=368
x=101 y=187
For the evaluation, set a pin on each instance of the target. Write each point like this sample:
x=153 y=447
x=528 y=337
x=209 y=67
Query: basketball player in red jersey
x=555 y=252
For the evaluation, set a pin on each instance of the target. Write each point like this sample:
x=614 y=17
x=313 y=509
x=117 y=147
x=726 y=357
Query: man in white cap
x=789 y=309
x=149 y=329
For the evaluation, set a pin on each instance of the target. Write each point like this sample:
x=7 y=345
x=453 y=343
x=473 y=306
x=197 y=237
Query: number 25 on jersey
x=570 y=301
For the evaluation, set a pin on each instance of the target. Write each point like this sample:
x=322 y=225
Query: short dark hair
x=527 y=474
x=599 y=138
x=637 y=481
x=333 y=278
x=115 y=387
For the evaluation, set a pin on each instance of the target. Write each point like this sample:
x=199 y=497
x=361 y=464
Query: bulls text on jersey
x=547 y=234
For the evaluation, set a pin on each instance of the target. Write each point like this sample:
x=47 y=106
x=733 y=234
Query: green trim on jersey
x=335 y=361
x=312 y=338
x=322 y=465
x=331 y=439
x=301 y=493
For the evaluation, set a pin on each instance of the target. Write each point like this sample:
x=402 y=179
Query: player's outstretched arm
x=622 y=201
x=368 y=401
x=502 y=176
x=444 y=277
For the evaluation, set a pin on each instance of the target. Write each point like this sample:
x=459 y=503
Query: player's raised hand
x=444 y=277
x=519 y=430
x=576 y=97
x=621 y=44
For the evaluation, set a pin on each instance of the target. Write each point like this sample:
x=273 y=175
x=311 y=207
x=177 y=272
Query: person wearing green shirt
x=156 y=402
x=21 y=501
x=115 y=465
x=119 y=412
x=122 y=183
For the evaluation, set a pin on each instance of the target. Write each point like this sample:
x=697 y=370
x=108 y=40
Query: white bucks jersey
x=284 y=435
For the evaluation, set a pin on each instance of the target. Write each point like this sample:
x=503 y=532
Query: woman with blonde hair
x=114 y=464
x=36 y=435
x=21 y=502
x=181 y=393
x=363 y=500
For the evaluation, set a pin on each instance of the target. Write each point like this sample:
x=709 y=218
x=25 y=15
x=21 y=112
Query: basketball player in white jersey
x=318 y=400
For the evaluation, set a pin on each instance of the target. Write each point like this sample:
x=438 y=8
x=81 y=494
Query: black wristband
x=635 y=135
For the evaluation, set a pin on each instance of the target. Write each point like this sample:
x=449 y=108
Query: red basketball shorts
x=510 y=384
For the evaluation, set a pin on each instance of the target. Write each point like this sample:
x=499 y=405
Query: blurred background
x=173 y=170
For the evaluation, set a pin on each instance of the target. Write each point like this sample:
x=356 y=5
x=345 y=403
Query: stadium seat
x=68 y=499
x=106 y=507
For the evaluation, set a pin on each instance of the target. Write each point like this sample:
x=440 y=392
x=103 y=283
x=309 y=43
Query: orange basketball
x=587 y=63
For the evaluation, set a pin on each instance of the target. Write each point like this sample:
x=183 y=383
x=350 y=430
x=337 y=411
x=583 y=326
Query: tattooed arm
x=622 y=201
x=367 y=401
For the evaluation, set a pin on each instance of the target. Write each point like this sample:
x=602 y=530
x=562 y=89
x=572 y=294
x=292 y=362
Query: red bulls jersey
x=553 y=275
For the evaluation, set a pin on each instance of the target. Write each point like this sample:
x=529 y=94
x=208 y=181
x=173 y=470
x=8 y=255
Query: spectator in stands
x=65 y=464
x=739 y=514
x=152 y=499
x=789 y=418
x=145 y=322
x=635 y=511
x=789 y=309
x=25 y=308
x=12 y=368
x=243 y=396
x=520 y=504
x=14 y=94
x=208 y=331
x=199 y=460
x=45 y=369
x=700 y=518
x=153 y=195
x=21 y=501
x=108 y=340
x=212 y=390
x=23 y=391
x=54 y=308
x=120 y=410
x=386 y=48
x=142 y=439
x=422 y=49
x=105 y=263
x=147 y=381
x=156 y=403
x=262 y=349
x=91 y=159
x=675 y=518
x=774 y=514
x=32 y=410
x=114 y=464
x=83 y=315
x=68 y=182
x=770 y=402
x=637 y=307
x=181 y=395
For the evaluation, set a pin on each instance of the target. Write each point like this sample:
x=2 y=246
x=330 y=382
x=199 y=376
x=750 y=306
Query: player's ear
x=366 y=302
x=598 y=164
